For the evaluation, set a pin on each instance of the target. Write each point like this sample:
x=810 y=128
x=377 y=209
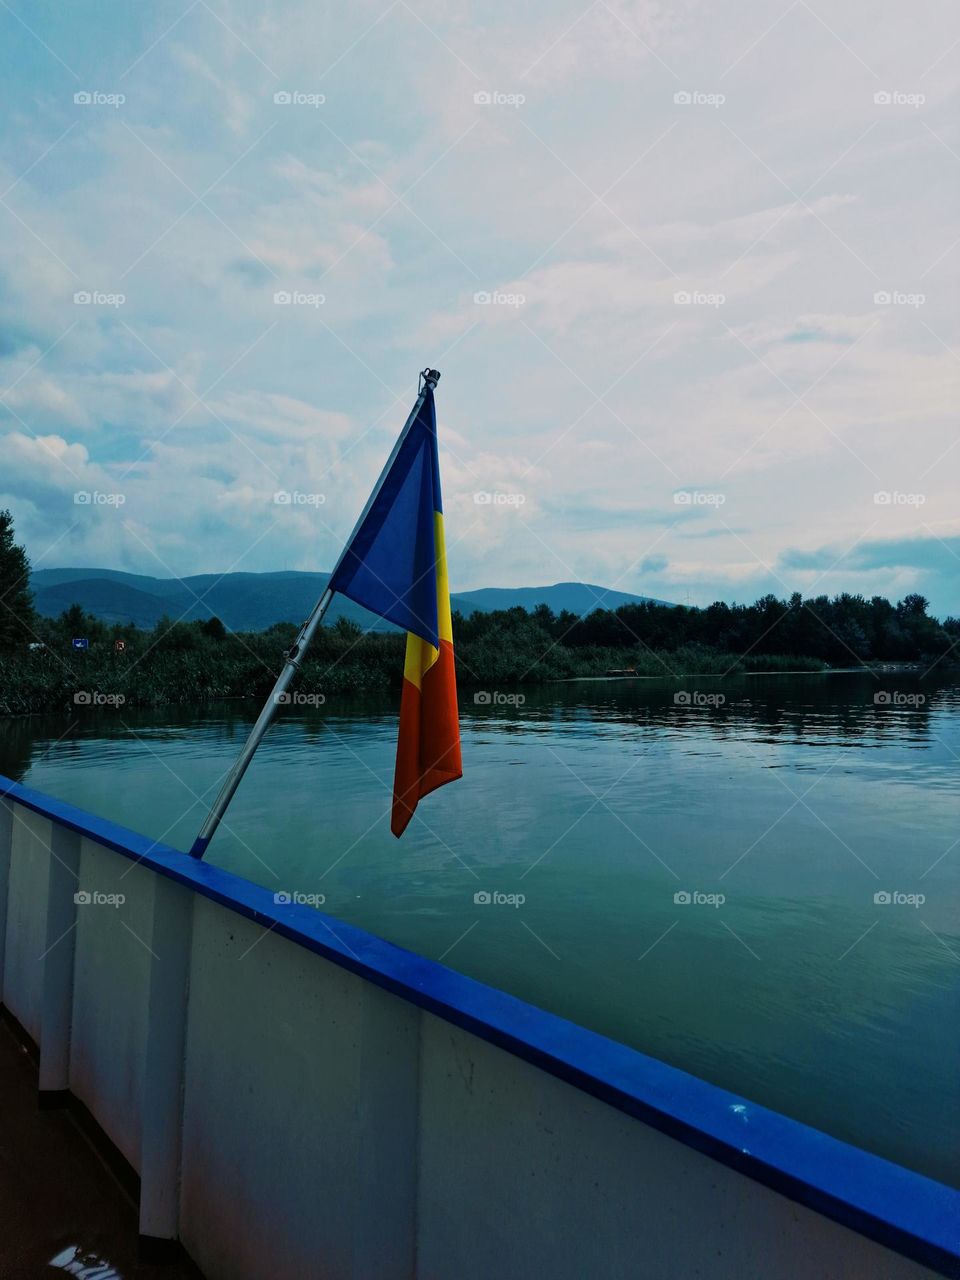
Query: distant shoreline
x=76 y=660
x=903 y=669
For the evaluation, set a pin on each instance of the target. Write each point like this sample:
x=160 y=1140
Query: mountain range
x=254 y=601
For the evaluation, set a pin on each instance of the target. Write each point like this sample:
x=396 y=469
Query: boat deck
x=62 y=1212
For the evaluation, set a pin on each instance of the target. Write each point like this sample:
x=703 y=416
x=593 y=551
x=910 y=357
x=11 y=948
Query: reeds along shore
x=196 y=662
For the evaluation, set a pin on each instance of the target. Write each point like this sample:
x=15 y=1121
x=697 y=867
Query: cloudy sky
x=689 y=272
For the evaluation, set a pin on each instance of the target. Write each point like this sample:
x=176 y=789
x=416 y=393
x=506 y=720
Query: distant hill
x=578 y=597
x=254 y=601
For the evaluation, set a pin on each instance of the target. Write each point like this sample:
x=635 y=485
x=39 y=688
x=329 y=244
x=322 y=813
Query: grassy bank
x=341 y=661
x=199 y=662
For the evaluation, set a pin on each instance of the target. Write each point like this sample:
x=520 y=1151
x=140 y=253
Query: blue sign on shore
x=80 y=642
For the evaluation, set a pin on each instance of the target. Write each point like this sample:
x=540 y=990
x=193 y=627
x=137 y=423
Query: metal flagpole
x=295 y=656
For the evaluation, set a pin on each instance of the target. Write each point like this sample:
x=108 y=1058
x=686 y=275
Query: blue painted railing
x=903 y=1210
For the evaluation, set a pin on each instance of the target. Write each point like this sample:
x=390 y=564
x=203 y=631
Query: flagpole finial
x=431 y=377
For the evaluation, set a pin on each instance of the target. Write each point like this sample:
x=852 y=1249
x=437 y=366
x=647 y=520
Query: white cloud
x=798 y=199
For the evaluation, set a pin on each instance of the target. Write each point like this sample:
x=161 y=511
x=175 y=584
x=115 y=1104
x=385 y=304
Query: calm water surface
x=798 y=800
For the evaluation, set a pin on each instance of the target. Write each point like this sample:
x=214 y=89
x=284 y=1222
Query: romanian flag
x=396 y=566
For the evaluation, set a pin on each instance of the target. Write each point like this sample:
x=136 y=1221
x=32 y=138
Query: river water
x=694 y=872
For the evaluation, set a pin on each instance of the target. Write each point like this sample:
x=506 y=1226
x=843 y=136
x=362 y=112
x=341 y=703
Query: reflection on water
x=698 y=876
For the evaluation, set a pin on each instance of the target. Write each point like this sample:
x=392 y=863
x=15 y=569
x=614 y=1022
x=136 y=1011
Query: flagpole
x=295 y=656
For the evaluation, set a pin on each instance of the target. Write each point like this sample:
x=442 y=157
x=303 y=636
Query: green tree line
x=196 y=662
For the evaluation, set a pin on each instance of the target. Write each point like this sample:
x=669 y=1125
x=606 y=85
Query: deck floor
x=62 y=1213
